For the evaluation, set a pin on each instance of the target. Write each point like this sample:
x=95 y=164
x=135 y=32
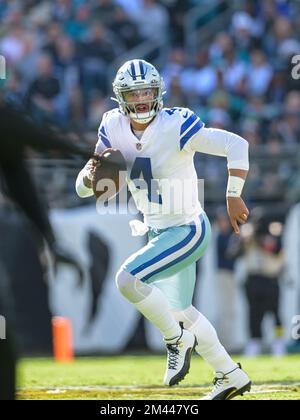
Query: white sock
x=209 y=346
x=155 y=308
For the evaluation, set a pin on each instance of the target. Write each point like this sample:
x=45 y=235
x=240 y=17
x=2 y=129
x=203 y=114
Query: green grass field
x=140 y=377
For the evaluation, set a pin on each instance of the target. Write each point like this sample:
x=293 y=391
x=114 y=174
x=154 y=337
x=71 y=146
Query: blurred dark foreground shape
x=18 y=132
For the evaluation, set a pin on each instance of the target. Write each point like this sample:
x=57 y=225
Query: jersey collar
x=147 y=135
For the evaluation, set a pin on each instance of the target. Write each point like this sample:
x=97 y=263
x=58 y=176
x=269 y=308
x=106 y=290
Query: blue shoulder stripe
x=102 y=130
x=188 y=123
x=105 y=141
x=103 y=137
x=190 y=133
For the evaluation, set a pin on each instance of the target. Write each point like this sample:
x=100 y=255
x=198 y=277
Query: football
x=109 y=174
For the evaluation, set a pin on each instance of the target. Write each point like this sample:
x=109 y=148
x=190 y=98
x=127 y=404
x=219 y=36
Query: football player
x=158 y=145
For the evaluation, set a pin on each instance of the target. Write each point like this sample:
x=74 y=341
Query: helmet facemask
x=140 y=77
x=141 y=105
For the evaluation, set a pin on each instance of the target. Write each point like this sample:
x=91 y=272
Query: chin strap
x=142 y=120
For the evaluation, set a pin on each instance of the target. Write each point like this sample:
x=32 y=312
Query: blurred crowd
x=58 y=52
x=60 y=55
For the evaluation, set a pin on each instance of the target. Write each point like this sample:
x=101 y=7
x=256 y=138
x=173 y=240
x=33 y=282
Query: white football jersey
x=160 y=168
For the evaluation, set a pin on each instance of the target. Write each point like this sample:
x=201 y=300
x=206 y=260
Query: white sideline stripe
x=174 y=255
x=256 y=389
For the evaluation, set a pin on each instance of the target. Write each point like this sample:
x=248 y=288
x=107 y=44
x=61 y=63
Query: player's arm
x=219 y=142
x=84 y=179
x=236 y=208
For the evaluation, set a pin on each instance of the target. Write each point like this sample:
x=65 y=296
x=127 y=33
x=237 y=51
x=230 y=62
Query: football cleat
x=179 y=357
x=229 y=385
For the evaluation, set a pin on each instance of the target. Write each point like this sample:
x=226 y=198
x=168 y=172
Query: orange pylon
x=62 y=339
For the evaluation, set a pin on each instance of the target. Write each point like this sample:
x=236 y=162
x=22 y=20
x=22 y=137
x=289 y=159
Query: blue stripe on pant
x=172 y=253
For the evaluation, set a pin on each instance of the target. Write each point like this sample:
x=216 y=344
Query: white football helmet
x=136 y=75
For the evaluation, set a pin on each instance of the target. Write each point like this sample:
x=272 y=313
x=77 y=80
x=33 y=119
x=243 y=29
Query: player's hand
x=237 y=212
x=90 y=170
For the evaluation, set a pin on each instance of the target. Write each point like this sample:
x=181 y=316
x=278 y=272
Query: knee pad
x=131 y=287
x=123 y=280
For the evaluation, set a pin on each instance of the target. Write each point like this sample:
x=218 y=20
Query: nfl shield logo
x=139 y=146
